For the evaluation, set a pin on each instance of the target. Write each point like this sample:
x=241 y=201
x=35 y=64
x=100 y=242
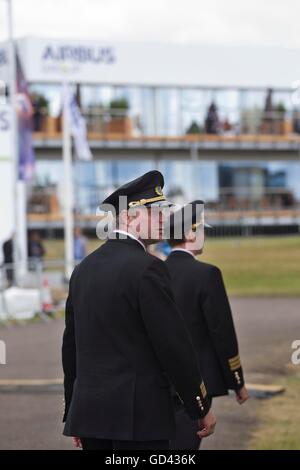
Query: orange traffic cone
x=47 y=304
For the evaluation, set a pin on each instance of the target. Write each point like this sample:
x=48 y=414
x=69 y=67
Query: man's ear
x=190 y=236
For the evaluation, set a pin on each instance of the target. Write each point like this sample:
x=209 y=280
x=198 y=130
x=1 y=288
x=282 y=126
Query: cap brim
x=161 y=204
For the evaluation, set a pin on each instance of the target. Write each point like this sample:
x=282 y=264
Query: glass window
x=112 y=174
x=228 y=107
x=168 y=120
x=92 y=95
x=148 y=111
x=210 y=110
x=253 y=104
x=52 y=93
x=140 y=109
x=193 y=109
x=95 y=103
x=283 y=98
x=133 y=98
x=260 y=185
x=48 y=172
x=186 y=180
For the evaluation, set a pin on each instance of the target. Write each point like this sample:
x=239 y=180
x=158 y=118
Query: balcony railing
x=118 y=124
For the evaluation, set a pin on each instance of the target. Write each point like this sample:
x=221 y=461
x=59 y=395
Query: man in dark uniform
x=125 y=341
x=201 y=296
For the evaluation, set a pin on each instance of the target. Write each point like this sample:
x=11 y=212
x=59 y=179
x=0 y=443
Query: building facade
x=222 y=124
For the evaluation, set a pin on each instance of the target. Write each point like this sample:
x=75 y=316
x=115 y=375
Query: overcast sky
x=239 y=22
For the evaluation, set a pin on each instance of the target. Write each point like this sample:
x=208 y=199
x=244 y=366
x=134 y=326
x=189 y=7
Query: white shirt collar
x=123 y=232
x=183 y=249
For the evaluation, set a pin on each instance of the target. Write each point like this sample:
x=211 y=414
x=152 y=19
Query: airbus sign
x=53 y=60
x=69 y=59
x=98 y=62
x=78 y=54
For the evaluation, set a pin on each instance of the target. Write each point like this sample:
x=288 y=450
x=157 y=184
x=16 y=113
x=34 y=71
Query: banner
x=25 y=114
x=78 y=128
x=6 y=176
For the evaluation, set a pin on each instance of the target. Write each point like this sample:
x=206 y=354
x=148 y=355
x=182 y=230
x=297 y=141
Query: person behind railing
x=36 y=251
x=80 y=245
x=296 y=121
x=212 y=122
x=268 y=117
x=8 y=259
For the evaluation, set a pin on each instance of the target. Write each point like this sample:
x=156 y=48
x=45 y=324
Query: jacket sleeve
x=69 y=352
x=219 y=319
x=170 y=338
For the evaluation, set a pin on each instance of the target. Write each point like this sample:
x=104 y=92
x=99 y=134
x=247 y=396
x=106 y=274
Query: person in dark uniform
x=201 y=297
x=8 y=259
x=125 y=341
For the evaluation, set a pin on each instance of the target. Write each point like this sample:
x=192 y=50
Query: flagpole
x=20 y=238
x=68 y=185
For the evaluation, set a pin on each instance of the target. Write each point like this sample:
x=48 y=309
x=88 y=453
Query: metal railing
x=103 y=122
x=38 y=278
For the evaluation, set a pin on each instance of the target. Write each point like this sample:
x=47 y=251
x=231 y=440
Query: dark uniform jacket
x=201 y=296
x=123 y=344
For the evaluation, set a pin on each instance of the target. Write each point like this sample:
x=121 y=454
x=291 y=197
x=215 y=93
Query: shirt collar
x=123 y=232
x=184 y=250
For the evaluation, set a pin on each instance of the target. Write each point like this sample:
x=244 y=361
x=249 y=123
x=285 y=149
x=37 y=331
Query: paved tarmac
x=32 y=419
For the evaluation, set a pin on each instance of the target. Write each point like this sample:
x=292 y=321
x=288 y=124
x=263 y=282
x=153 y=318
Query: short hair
x=174 y=242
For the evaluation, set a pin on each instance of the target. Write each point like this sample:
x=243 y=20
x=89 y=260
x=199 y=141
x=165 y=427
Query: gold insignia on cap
x=158 y=190
x=234 y=362
x=142 y=202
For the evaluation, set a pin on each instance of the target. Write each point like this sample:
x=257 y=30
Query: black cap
x=143 y=191
x=183 y=220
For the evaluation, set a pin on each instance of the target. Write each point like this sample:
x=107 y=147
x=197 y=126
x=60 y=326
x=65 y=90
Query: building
x=215 y=120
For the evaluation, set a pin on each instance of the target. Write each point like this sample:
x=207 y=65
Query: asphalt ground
x=30 y=418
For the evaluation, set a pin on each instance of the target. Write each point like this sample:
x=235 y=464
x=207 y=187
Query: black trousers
x=107 y=444
x=186 y=431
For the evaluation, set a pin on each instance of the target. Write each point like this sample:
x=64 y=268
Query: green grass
x=279 y=417
x=257 y=266
x=263 y=266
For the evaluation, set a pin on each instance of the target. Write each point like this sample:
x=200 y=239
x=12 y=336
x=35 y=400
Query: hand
x=206 y=425
x=242 y=395
x=77 y=442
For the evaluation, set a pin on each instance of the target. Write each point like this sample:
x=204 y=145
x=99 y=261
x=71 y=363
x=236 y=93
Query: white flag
x=78 y=129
